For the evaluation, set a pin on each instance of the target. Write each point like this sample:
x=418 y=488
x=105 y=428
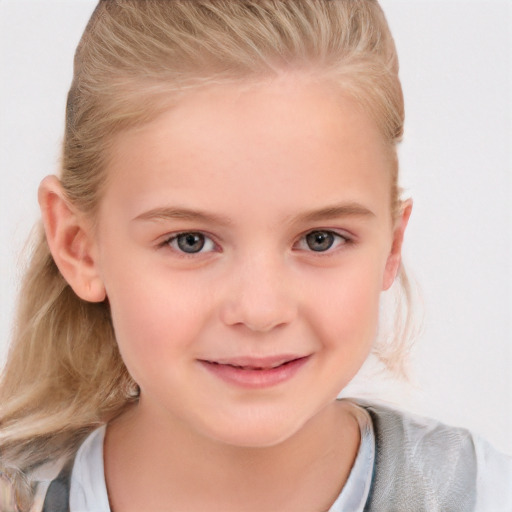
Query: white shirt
x=493 y=487
x=89 y=492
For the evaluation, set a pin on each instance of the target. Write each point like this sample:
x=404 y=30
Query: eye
x=191 y=243
x=321 y=241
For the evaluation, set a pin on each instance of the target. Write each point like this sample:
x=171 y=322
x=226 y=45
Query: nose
x=259 y=295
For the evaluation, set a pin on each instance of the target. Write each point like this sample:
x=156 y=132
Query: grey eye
x=189 y=242
x=319 y=241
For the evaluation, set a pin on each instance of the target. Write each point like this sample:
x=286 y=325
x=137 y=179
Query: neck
x=145 y=456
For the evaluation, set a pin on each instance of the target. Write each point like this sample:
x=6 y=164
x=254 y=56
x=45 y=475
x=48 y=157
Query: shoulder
x=45 y=477
x=22 y=490
x=494 y=478
x=77 y=481
x=423 y=464
x=417 y=435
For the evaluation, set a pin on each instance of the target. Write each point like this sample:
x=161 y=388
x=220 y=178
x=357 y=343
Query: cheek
x=154 y=319
x=346 y=305
x=343 y=313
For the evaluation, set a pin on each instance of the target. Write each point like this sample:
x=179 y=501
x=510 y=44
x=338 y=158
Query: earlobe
x=70 y=241
x=395 y=256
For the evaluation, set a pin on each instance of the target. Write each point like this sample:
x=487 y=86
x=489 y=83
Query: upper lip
x=256 y=362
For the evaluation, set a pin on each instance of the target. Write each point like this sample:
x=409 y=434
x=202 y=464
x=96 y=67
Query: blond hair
x=64 y=373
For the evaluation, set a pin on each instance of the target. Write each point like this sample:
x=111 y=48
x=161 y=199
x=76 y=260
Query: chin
x=255 y=438
x=257 y=431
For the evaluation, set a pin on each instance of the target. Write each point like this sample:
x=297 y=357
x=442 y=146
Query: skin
x=253 y=170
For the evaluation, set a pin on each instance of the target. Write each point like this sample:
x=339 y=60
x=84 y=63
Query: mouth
x=258 y=364
x=256 y=372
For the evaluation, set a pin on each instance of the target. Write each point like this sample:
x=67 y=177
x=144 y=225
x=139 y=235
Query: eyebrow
x=333 y=212
x=329 y=212
x=170 y=213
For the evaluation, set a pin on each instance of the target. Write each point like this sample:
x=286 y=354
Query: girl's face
x=243 y=240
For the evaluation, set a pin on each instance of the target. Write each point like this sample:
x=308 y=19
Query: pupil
x=190 y=242
x=319 y=240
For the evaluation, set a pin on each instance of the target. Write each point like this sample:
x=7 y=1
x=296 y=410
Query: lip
x=256 y=373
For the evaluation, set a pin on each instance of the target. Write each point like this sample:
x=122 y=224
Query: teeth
x=253 y=368
x=259 y=367
x=248 y=367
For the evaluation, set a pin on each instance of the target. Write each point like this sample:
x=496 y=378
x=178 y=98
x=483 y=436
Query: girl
x=214 y=251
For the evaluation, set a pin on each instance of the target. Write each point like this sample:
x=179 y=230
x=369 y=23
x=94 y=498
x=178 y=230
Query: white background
x=456 y=160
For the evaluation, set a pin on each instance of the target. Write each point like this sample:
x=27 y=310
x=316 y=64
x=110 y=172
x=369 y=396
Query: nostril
x=259 y=304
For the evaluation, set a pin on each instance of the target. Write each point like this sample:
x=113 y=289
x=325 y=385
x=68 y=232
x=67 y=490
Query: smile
x=255 y=373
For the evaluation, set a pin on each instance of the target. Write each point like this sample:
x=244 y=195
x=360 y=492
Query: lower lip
x=256 y=379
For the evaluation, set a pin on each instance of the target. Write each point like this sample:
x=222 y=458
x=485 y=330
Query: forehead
x=278 y=140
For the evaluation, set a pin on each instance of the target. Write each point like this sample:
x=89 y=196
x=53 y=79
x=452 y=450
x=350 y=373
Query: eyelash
x=211 y=245
x=340 y=239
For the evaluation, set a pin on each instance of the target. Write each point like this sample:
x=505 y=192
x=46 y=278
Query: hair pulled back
x=64 y=374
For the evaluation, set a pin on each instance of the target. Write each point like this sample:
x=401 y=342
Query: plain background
x=456 y=161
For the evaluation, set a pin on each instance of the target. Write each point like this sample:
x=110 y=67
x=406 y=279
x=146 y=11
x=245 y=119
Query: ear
x=70 y=240
x=395 y=256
